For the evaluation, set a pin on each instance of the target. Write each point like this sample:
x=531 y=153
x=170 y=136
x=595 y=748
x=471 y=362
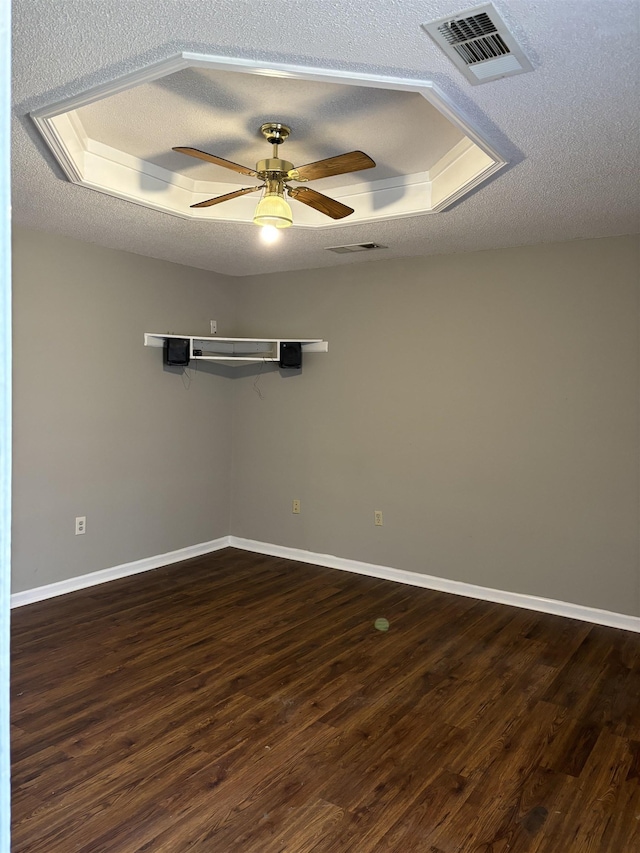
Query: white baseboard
x=515 y=599
x=29 y=596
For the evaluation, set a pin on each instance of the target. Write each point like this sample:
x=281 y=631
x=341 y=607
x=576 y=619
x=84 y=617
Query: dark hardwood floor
x=245 y=704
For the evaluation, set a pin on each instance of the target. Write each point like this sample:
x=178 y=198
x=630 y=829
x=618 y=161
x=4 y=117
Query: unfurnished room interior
x=325 y=528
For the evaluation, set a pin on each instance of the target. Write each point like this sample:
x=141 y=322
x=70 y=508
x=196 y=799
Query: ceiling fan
x=273 y=209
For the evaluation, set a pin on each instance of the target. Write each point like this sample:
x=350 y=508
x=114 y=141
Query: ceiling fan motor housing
x=273 y=164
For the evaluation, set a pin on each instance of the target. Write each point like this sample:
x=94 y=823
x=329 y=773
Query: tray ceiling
x=569 y=129
x=117 y=139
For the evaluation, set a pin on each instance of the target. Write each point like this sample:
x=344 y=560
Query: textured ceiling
x=570 y=129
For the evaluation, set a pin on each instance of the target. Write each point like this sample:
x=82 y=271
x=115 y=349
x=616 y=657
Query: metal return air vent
x=355 y=247
x=478 y=42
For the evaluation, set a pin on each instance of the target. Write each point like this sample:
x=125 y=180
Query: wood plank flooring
x=237 y=703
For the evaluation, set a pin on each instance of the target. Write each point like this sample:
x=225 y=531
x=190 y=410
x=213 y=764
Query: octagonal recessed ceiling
x=117 y=138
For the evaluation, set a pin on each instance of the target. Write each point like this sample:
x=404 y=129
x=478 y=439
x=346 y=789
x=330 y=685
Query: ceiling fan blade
x=219 y=161
x=353 y=161
x=211 y=201
x=324 y=204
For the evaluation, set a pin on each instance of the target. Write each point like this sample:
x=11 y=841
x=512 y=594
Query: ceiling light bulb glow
x=269 y=234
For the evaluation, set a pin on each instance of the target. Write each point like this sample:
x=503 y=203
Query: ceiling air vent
x=355 y=247
x=478 y=42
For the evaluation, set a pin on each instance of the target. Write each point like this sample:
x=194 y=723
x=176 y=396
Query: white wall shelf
x=236 y=351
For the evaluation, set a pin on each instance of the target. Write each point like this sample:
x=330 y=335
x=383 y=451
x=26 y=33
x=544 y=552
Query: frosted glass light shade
x=273 y=210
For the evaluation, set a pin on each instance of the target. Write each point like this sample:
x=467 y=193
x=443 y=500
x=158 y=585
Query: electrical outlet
x=214 y=327
x=377 y=517
x=295 y=507
x=81 y=525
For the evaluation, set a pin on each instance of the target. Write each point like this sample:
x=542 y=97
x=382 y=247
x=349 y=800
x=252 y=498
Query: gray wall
x=487 y=403
x=100 y=427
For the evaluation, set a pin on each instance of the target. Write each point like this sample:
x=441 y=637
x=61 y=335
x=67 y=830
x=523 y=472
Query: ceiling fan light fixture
x=273 y=210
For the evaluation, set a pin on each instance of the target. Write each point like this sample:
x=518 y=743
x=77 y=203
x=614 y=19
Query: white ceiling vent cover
x=478 y=42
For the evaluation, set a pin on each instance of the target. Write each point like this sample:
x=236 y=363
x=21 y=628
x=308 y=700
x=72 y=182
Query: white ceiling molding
x=108 y=169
